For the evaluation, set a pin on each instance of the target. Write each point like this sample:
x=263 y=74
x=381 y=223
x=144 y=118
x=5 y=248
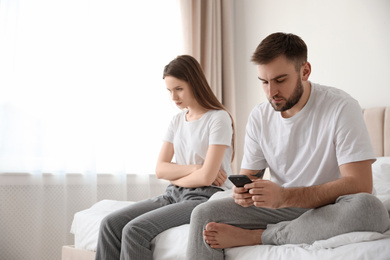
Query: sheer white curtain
x=81 y=86
x=81 y=93
x=208 y=36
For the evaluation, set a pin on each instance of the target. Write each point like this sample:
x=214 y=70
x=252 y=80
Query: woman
x=201 y=138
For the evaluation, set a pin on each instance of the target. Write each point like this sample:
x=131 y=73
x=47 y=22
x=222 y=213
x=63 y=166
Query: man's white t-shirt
x=308 y=148
x=191 y=139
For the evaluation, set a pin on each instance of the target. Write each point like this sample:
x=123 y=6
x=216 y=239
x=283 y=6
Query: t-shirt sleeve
x=351 y=137
x=221 y=129
x=170 y=133
x=253 y=158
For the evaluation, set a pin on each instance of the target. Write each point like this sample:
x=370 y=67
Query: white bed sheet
x=171 y=244
x=86 y=223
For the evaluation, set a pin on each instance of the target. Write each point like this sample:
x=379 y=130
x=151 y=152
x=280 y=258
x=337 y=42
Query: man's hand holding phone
x=260 y=193
x=241 y=194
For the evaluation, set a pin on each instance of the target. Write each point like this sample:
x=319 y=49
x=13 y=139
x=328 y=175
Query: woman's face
x=181 y=92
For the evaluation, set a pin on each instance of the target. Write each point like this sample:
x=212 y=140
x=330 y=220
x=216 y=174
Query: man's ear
x=306 y=70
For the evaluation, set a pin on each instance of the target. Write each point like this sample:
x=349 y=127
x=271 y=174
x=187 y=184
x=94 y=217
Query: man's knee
x=208 y=211
x=362 y=202
x=201 y=211
x=367 y=212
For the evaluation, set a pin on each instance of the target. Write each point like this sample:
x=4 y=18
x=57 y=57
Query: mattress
x=172 y=243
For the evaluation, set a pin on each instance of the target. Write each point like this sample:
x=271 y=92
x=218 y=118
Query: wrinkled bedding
x=171 y=244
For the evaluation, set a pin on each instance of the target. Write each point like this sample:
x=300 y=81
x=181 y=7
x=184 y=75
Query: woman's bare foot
x=219 y=235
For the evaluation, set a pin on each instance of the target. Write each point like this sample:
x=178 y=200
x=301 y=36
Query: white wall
x=348 y=42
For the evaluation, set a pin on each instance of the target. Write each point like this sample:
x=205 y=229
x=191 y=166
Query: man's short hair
x=277 y=44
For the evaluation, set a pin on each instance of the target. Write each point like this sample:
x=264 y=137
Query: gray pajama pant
x=358 y=212
x=127 y=233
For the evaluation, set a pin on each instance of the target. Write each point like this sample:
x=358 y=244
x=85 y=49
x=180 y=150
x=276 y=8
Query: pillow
x=381 y=178
x=381 y=169
x=387 y=205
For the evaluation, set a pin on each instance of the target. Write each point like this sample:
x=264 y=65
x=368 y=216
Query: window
x=81 y=85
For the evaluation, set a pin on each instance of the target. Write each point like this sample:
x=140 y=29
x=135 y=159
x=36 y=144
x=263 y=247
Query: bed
x=171 y=244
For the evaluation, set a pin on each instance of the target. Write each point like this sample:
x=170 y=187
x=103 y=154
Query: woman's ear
x=306 y=70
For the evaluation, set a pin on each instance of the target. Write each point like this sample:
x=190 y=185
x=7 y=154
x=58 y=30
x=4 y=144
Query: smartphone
x=239 y=180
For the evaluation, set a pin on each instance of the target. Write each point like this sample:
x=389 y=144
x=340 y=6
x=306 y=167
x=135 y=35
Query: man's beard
x=292 y=101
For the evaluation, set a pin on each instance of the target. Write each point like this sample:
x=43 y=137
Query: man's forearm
x=320 y=195
x=259 y=174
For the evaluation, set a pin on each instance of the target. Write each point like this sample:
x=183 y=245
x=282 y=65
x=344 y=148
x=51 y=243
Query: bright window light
x=81 y=84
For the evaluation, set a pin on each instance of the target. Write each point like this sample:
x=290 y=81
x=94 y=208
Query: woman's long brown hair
x=187 y=68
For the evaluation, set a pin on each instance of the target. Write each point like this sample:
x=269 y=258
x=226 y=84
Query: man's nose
x=273 y=89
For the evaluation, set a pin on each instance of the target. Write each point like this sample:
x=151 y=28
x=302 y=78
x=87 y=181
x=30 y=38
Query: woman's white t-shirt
x=308 y=148
x=191 y=139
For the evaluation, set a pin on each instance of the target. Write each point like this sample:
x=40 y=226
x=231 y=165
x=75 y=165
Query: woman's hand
x=220 y=179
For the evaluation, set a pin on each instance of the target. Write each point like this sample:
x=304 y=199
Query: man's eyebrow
x=277 y=77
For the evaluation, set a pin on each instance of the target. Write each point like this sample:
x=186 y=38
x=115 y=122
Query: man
x=314 y=141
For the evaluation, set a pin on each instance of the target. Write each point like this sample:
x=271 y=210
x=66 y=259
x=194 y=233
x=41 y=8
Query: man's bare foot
x=219 y=235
